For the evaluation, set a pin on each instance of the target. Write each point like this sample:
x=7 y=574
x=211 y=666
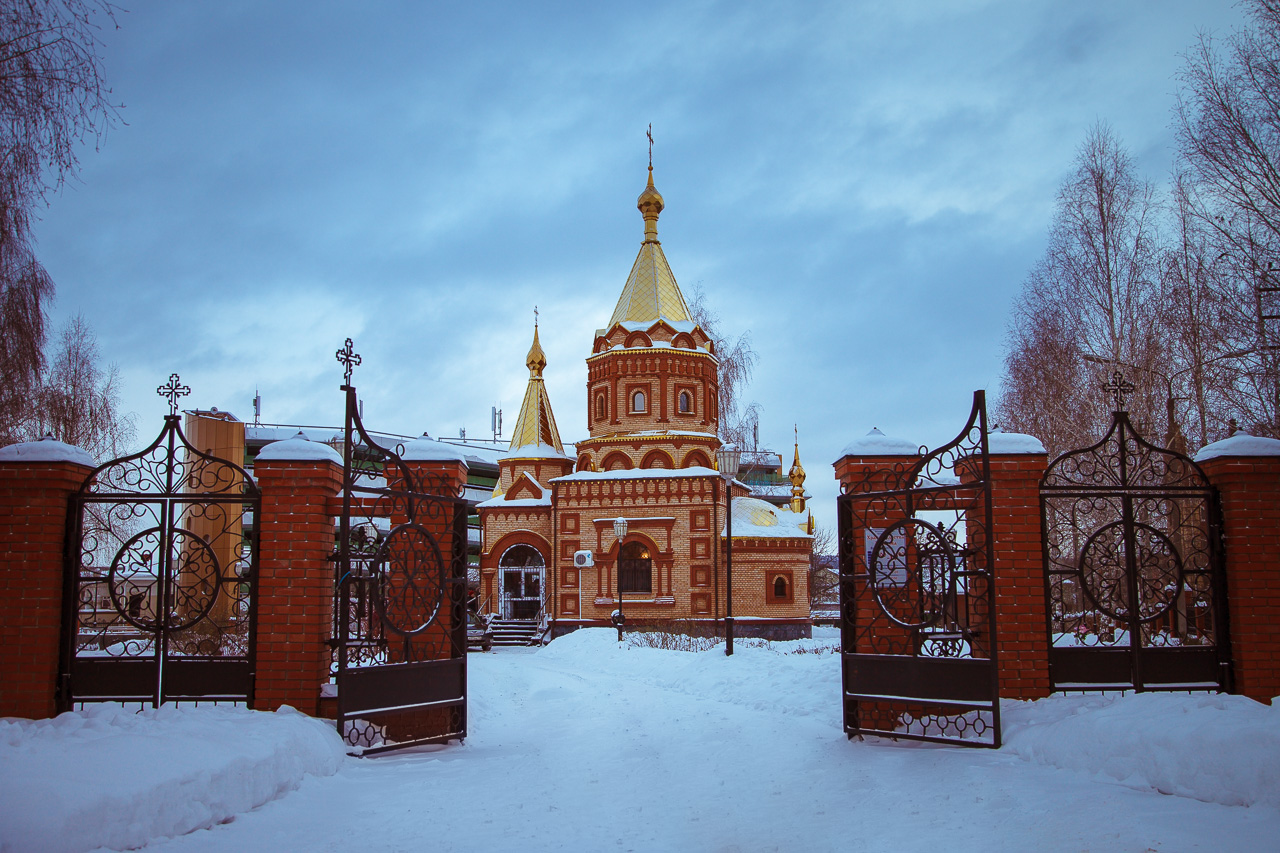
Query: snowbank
x=108 y=776
x=1211 y=747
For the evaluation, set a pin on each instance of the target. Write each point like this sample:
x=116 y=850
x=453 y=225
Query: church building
x=549 y=553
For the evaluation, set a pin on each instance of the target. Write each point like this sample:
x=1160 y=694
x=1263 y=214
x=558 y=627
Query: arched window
x=686 y=403
x=638 y=402
x=600 y=407
x=635 y=568
x=657 y=459
x=780 y=587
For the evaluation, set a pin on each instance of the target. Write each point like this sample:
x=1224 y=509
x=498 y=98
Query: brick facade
x=33 y=532
x=1249 y=488
x=295 y=583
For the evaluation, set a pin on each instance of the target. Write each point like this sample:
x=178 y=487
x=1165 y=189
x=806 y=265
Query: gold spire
x=796 y=476
x=651 y=290
x=536 y=425
x=537 y=359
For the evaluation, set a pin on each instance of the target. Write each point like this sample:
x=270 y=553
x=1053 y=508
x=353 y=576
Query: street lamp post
x=728 y=458
x=619 y=531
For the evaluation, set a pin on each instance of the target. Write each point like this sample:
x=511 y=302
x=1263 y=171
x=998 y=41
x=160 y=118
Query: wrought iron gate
x=160 y=578
x=917 y=626
x=400 y=630
x=1133 y=568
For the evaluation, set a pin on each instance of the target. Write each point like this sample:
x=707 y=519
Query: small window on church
x=780 y=587
x=686 y=402
x=637 y=402
x=600 y=407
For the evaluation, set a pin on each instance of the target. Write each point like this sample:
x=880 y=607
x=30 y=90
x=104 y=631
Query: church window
x=635 y=569
x=779 y=589
x=686 y=403
x=638 y=402
x=600 y=407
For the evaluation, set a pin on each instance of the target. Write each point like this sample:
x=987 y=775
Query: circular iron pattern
x=1103 y=571
x=135 y=575
x=413 y=585
x=911 y=568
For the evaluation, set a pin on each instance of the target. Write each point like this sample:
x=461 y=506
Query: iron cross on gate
x=173 y=390
x=1118 y=388
x=349 y=358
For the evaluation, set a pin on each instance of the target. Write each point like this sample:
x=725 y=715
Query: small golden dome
x=650 y=203
x=537 y=359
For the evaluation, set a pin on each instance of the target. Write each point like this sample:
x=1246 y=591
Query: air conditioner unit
x=583 y=559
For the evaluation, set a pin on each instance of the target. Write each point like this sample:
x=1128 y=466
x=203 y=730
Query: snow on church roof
x=757 y=519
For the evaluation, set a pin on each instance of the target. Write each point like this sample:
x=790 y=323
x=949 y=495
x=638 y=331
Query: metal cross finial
x=173 y=390
x=349 y=358
x=535 y=316
x=1118 y=388
x=649 y=134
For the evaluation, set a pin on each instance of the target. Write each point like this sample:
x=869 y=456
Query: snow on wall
x=1012 y=443
x=876 y=443
x=1212 y=747
x=1240 y=445
x=46 y=450
x=107 y=776
x=298 y=449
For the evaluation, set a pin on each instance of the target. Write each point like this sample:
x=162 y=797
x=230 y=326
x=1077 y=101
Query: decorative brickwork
x=295 y=585
x=1249 y=488
x=33 y=530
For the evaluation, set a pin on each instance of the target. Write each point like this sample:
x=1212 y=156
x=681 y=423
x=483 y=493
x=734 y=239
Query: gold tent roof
x=536 y=425
x=651 y=290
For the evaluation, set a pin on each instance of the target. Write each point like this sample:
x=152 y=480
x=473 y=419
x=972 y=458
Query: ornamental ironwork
x=399 y=632
x=1133 y=568
x=161 y=576
x=917 y=624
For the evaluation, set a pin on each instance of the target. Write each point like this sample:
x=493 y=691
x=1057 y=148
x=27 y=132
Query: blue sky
x=861 y=185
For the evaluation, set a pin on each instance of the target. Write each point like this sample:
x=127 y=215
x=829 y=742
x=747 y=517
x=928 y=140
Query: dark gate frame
x=400 y=626
x=1124 y=521
x=171 y=617
x=918 y=626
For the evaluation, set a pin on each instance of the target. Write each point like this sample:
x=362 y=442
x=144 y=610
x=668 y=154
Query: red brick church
x=549 y=552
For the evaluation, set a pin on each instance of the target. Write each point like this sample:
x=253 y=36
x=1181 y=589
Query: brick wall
x=1021 y=625
x=33 y=525
x=295 y=584
x=1249 y=487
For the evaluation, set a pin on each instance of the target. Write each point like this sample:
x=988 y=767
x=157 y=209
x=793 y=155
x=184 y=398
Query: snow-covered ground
x=585 y=745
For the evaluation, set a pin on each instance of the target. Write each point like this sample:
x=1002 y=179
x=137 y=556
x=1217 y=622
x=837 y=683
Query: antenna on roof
x=495 y=422
x=257 y=407
x=462 y=433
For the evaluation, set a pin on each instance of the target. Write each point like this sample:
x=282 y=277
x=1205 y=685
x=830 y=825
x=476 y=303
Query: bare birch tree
x=737 y=361
x=79 y=400
x=1227 y=118
x=1090 y=306
x=52 y=99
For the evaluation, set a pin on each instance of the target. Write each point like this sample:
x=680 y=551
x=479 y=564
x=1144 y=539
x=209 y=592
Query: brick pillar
x=299 y=480
x=1246 y=471
x=36 y=479
x=873 y=463
x=1017 y=464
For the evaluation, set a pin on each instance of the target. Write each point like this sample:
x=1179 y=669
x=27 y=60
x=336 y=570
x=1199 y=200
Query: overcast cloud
x=861 y=185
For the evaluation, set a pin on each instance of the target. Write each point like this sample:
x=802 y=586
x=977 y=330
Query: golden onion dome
x=537 y=359
x=650 y=201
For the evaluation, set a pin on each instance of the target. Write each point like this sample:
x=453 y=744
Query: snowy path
x=589 y=752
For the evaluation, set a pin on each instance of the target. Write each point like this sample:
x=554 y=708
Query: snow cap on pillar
x=47 y=449
x=298 y=449
x=876 y=443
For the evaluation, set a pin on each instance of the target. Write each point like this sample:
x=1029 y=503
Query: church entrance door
x=522 y=570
